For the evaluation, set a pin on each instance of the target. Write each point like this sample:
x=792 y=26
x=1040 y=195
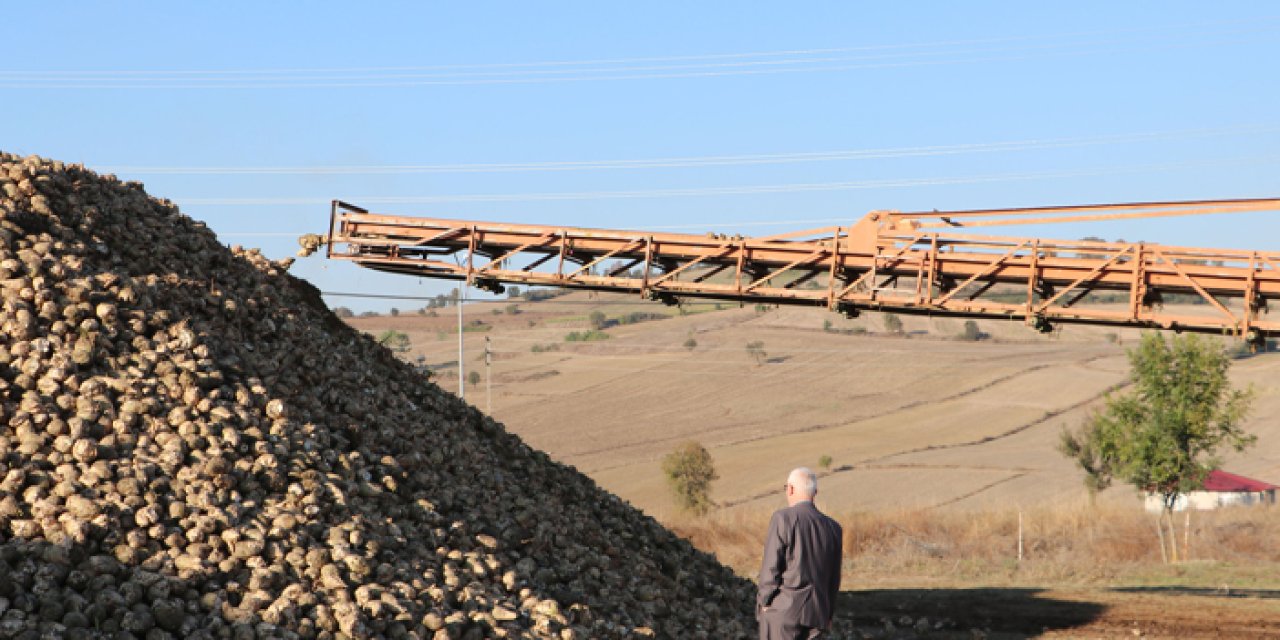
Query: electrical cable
x=528 y=73
x=731 y=190
x=701 y=161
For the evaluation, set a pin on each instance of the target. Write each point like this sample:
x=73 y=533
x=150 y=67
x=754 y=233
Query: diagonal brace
x=541 y=241
x=805 y=260
x=1084 y=278
x=992 y=266
x=1195 y=285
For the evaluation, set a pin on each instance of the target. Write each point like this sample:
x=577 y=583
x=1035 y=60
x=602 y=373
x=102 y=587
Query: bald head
x=803 y=485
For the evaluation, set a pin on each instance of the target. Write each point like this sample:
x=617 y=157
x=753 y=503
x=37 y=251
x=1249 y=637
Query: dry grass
x=1060 y=546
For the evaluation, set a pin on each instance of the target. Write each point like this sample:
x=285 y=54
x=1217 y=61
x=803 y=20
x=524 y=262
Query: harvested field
x=919 y=420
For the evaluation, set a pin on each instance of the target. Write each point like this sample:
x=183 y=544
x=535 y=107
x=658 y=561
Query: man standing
x=800 y=575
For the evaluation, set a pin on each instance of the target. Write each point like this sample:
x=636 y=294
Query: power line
x=730 y=190
x=647 y=59
x=701 y=161
x=262 y=80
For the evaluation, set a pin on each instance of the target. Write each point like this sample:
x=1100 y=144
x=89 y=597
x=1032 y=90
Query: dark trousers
x=774 y=626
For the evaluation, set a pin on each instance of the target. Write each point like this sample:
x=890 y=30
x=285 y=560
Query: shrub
x=476 y=326
x=825 y=462
x=971 y=331
x=690 y=344
x=586 y=336
x=755 y=350
x=642 y=316
x=534 y=295
x=892 y=323
x=690 y=471
x=394 y=340
x=597 y=319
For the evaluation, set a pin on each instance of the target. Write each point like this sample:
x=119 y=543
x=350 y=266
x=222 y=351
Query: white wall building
x=1221 y=489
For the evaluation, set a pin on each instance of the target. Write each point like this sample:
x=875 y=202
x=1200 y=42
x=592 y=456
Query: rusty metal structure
x=901 y=262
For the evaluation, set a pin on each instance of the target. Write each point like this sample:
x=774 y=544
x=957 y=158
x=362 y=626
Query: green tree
x=689 y=471
x=892 y=323
x=394 y=340
x=473 y=378
x=343 y=312
x=691 y=344
x=755 y=350
x=1163 y=435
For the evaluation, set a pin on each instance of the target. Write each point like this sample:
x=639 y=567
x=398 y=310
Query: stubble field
x=913 y=420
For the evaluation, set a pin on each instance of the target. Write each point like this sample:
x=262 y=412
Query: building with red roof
x=1221 y=489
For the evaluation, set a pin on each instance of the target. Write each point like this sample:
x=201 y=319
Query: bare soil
x=999 y=613
x=916 y=420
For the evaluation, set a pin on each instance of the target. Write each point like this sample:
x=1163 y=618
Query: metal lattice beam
x=888 y=261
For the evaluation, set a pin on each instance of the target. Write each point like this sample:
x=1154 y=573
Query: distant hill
x=916 y=418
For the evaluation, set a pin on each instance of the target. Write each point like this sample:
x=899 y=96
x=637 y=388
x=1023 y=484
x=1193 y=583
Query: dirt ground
x=919 y=420
x=1000 y=613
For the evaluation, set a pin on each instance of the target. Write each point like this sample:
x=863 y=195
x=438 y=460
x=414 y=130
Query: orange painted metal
x=888 y=261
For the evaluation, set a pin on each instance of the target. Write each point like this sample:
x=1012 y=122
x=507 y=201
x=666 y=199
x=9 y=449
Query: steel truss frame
x=888 y=261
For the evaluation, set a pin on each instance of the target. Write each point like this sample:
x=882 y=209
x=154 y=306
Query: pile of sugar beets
x=193 y=446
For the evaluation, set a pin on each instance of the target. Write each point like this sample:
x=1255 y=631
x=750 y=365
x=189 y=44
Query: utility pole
x=462 y=382
x=488 y=378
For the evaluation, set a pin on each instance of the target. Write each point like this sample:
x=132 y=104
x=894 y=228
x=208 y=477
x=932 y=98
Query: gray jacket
x=800 y=575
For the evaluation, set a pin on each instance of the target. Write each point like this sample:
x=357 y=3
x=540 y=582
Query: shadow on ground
x=1210 y=592
x=959 y=613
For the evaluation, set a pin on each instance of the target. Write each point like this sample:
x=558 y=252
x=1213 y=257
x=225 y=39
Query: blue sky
x=240 y=112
